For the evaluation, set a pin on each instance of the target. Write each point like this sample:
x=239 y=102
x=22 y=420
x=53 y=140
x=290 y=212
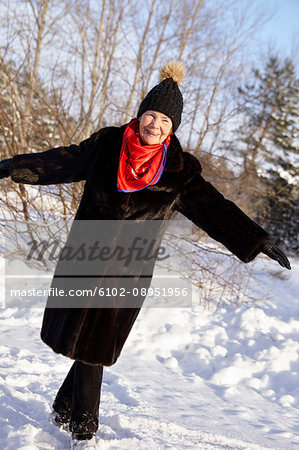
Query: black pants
x=78 y=399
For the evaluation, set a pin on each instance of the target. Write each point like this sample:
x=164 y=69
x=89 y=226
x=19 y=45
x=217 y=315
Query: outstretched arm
x=54 y=166
x=221 y=219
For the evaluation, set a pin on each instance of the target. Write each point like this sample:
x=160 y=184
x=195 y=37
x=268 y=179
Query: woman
x=134 y=172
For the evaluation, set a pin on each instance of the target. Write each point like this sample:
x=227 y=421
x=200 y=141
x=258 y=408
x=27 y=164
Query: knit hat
x=166 y=96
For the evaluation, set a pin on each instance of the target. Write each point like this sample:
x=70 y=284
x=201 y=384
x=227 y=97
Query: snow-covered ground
x=188 y=378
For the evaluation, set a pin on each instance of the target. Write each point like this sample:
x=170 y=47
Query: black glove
x=5 y=167
x=274 y=252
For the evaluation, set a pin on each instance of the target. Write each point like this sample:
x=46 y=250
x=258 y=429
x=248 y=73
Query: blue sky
x=284 y=25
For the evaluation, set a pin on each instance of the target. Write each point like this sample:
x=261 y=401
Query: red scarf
x=139 y=165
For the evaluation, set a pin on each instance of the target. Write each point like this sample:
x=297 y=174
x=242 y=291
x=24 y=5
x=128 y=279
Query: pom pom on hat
x=166 y=96
x=175 y=70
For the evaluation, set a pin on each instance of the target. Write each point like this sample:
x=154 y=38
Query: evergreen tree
x=281 y=210
x=269 y=146
x=271 y=107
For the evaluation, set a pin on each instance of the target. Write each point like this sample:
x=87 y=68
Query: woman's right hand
x=5 y=168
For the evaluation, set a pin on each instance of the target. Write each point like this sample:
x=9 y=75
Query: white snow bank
x=187 y=377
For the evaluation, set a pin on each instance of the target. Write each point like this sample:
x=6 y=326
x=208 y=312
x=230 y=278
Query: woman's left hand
x=275 y=253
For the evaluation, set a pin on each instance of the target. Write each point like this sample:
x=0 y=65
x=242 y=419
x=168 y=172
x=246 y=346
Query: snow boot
x=83 y=441
x=59 y=420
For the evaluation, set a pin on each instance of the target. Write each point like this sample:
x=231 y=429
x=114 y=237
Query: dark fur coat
x=96 y=336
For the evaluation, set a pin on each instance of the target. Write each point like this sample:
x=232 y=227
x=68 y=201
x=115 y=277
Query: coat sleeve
x=57 y=165
x=220 y=218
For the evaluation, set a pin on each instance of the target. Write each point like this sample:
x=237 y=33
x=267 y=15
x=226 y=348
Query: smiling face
x=154 y=127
